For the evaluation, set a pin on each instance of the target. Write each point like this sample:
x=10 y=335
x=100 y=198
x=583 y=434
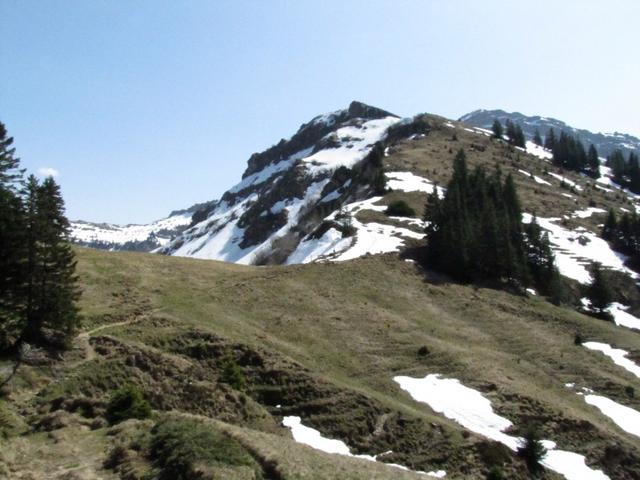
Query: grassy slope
x=357 y=324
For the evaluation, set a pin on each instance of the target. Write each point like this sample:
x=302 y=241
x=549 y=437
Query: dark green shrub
x=127 y=402
x=577 y=339
x=423 y=351
x=233 y=375
x=182 y=446
x=495 y=474
x=630 y=391
x=400 y=208
x=532 y=451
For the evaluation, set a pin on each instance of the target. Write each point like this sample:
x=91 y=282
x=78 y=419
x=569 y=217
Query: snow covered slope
x=604 y=142
x=129 y=237
x=295 y=187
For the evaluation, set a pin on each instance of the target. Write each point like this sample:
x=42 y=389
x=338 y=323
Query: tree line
x=38 y=284
x=475 y=233
x=568 y=151
x=626 y=173
x=513 y=131
x=624 y=234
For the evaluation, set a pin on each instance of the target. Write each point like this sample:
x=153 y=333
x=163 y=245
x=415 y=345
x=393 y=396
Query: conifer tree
x=537 y=139
x=511 y=132
x=475 y=232
x=593 y=162
x=519 y=140
x=375 y=161
x=11 y=240
x=599 y=292
x=610 y=226
x=633 y=173
x=550 y=140
x=497 y=129
x=532 y=451
x=53 y=289
x=617 y=164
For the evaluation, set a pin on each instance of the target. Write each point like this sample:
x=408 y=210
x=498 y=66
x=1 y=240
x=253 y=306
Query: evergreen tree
x=52 y=283
x=532 y=451
x=520 y=140
x=550 y=140
x=617 y=164
x=599 y=292
x=593 y=162
x=11 y=241
x=610 y=226
x=37 y=268
x=569 y=152
x=375 y=163
x=633 y=173
x=497 y=129
x=537 y=139
x=475 y=232
x=515 y=134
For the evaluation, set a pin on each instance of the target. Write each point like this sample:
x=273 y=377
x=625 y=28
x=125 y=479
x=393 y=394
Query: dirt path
x=83 y=338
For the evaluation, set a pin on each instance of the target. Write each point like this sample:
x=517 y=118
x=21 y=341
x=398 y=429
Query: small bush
x=400 y=208
x=182 y=446
x=116 y=457
x=495 y=474
x=577 y=339
x=233 y=375
x=532 y=451
x=423 y=351
x=127 y=402
x=630 y=391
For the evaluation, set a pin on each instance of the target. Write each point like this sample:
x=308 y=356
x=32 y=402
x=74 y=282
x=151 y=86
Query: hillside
x=340 y=354
x=604 y=142
x=322 y=342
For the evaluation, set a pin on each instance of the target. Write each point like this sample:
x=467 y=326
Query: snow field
x=576 y=249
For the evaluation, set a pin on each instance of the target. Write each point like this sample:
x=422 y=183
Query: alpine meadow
x=381 y=294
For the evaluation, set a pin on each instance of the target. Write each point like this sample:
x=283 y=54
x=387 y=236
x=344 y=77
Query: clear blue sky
x=148 y=106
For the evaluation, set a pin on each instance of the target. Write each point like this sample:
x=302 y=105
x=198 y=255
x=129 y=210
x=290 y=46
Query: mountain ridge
x=606 y=143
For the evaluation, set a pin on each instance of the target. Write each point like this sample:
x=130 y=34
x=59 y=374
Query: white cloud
x=48 y=172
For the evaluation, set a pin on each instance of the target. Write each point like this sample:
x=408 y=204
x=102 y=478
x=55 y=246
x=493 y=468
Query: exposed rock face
x=288 y=189
x=604 y=142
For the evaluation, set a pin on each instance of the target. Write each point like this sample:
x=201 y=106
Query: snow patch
x=537 y=179
x=626 y=418
x=408 y=182
x=310 y=250
x=564 y=179
x=538 y=151
x=618 y=356
x=576 y=249
x=587 y=213
x=470 y=409
x=622 y=318
x=355 y=143
x=313 y=438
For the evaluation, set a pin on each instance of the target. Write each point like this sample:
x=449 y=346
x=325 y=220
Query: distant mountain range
x=133 y=237
x=604 y=142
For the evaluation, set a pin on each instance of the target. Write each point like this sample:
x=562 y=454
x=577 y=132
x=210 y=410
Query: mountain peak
x=362 y=110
